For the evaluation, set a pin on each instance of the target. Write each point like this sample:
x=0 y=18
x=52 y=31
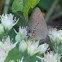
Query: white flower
x=18 y=37
x=8 y=45
x=8 y=21
x=22 y=46
x=55 y=35
x=1 y=29
x=21 y=34
x=51 y=57
x=3 y=55
x=5 y=47
x=32 y=47
x=22 y=30
x=42 y=48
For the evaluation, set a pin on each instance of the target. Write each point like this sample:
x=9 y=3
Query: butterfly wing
x=37 y=25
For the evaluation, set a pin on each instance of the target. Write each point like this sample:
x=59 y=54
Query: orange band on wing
x=35 y=29
x=36 y=26
x=38 y=16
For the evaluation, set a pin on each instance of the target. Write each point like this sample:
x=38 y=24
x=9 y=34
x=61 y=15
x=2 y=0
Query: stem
x=51 y=10
x=7 y=2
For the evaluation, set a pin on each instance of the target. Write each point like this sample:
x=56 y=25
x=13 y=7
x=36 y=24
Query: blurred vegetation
x=1 y=6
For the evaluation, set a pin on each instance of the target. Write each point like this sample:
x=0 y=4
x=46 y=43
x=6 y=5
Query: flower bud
x=22 y=46
x=21 y=34
x=23 y=31
x=32 y=48
x=42 y=48
x=18 y=37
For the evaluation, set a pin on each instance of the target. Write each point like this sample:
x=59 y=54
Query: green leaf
x=29 y=4
x=24 y=6
x=34 y=3
x=26 y=10
x=13 y=55
x=22 y=23
x=17 y=5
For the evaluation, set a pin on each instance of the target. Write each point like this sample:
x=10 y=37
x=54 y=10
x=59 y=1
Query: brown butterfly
x=37 y=26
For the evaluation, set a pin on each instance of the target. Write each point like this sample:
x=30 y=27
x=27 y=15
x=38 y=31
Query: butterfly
x=37 y=25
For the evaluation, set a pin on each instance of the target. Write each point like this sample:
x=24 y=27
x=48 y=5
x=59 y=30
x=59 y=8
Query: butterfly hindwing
x=37 y=25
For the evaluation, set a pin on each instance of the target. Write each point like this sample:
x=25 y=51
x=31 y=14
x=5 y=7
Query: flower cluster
x=28 y=48
x=50 y=57
x=33 y=47
x=8 y=21
x=5 y=47
x=55 y=35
